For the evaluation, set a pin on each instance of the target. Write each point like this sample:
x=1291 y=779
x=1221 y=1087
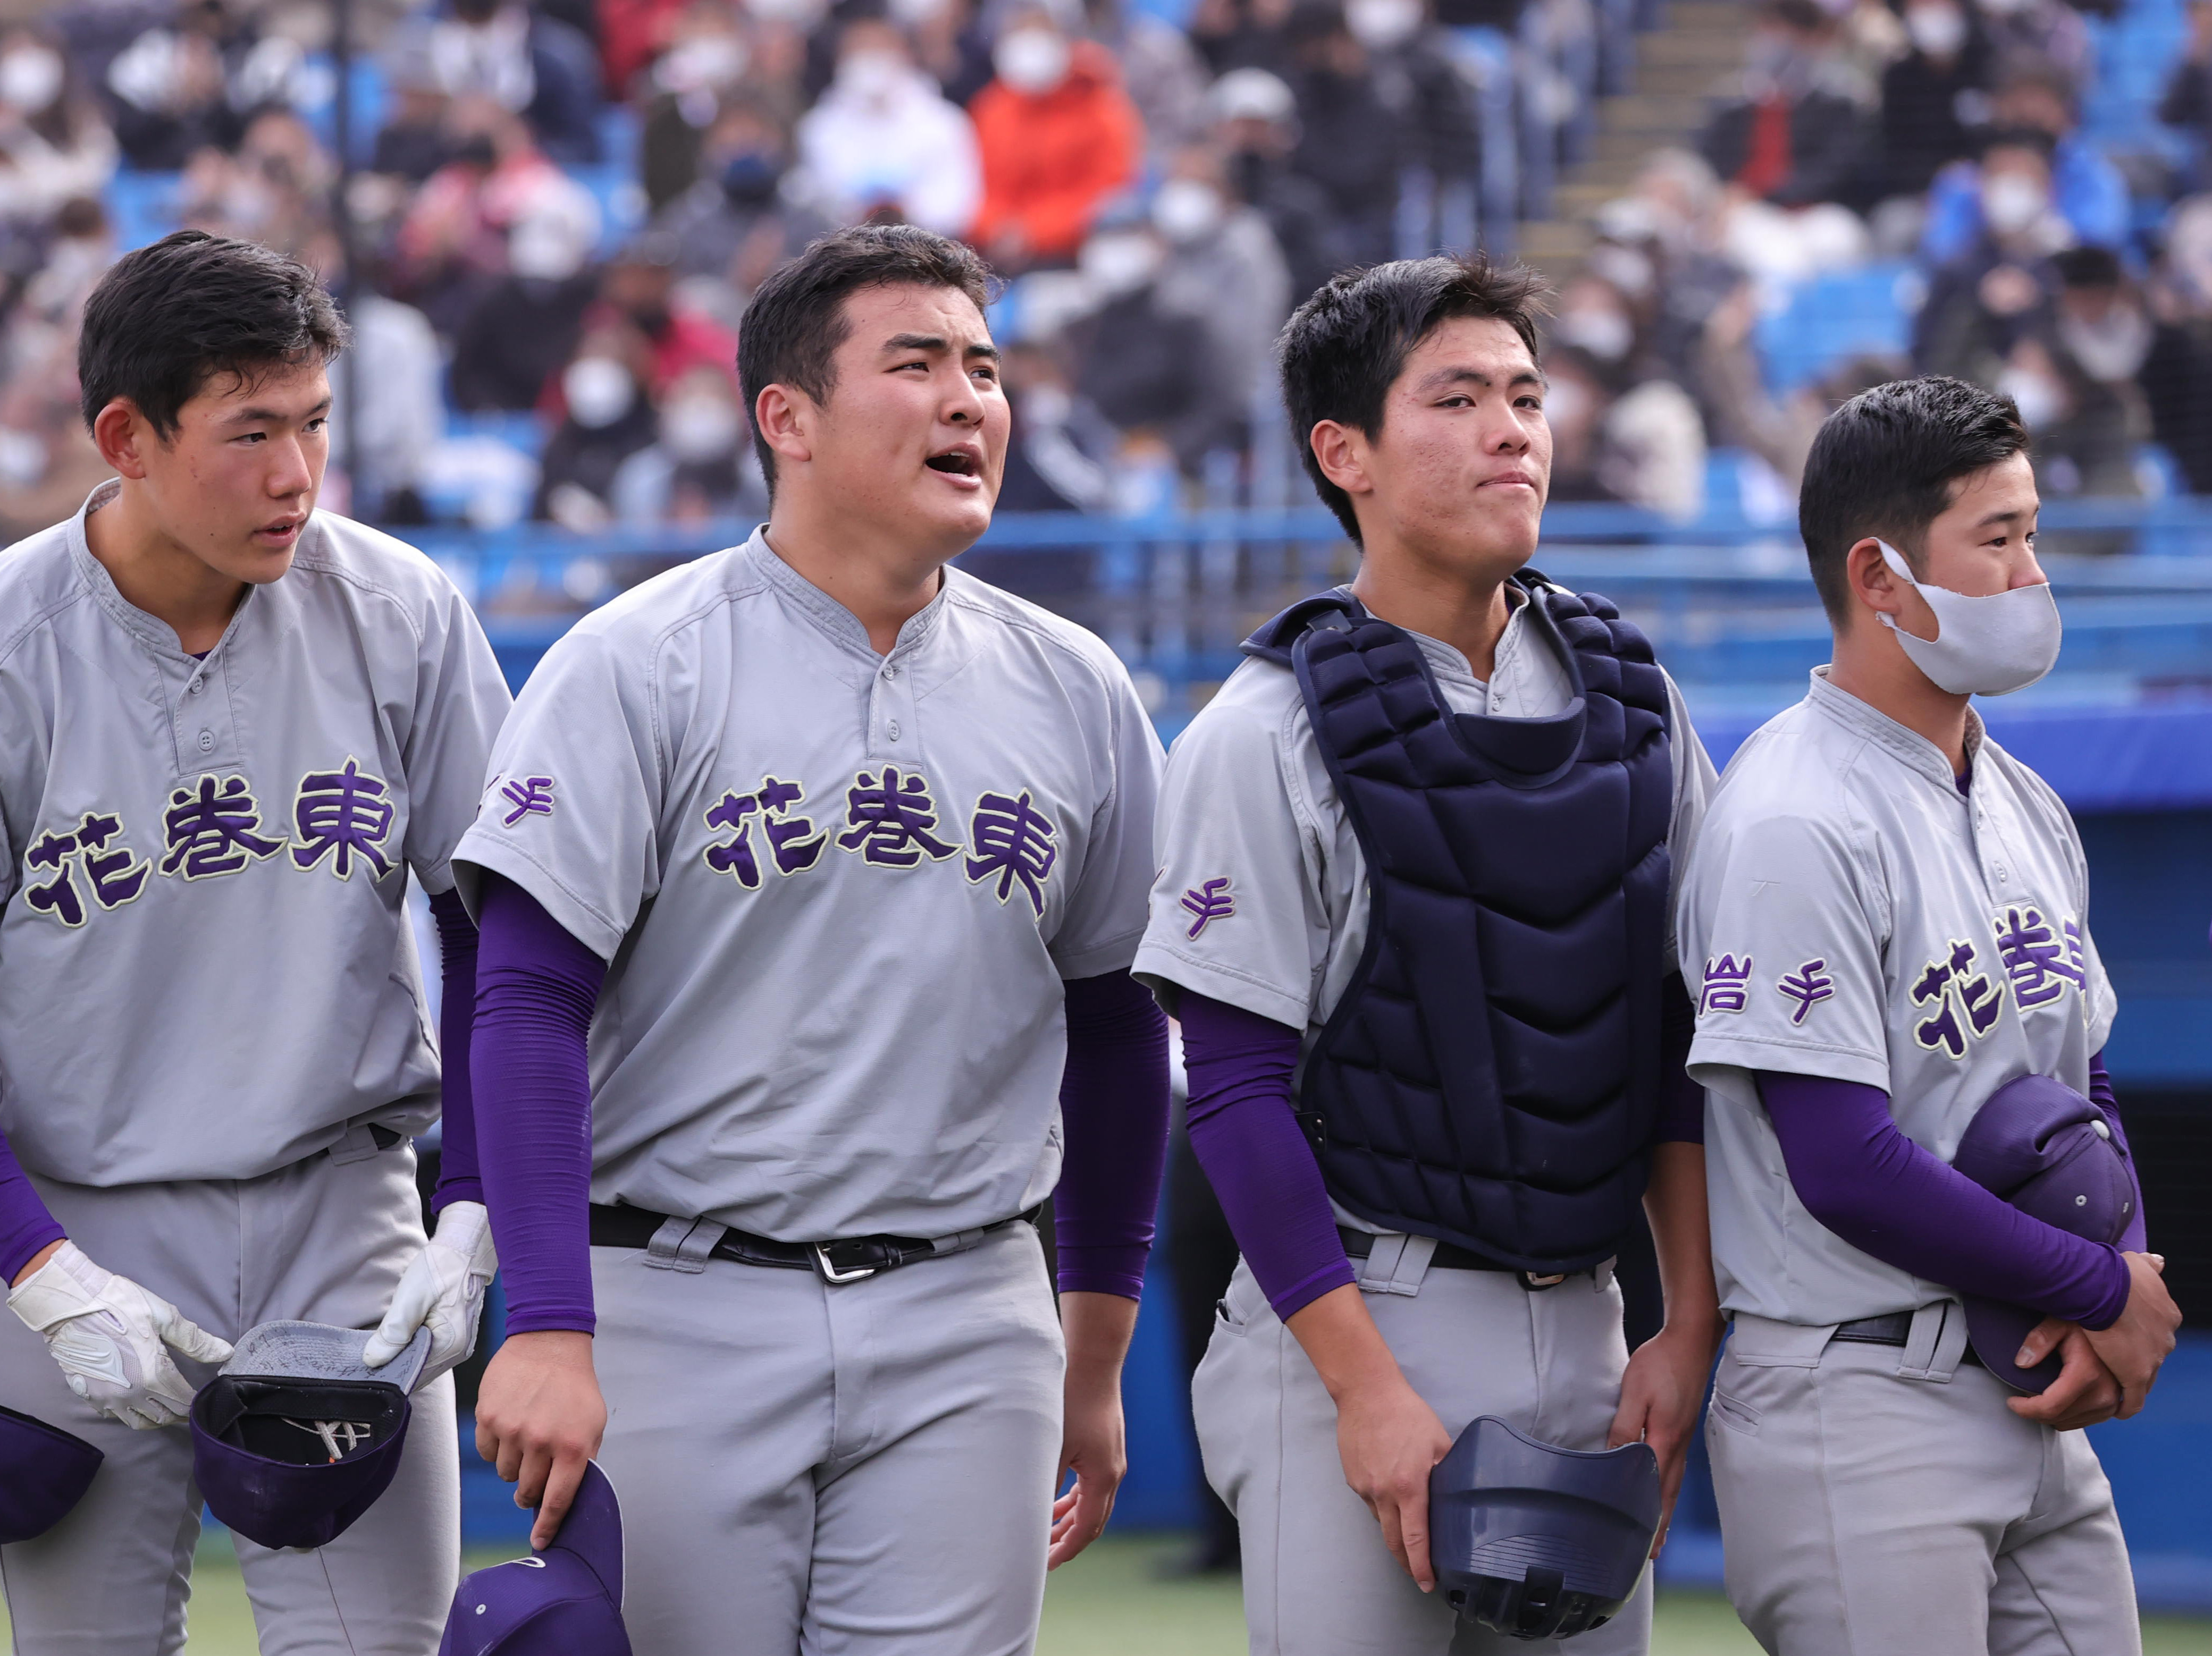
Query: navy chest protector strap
x=1491 y=1076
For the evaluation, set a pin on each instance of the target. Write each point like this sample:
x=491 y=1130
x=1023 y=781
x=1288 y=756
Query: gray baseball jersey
x=1849 y=913
x=1262 y=898
x=838 y=891
x=205 y=967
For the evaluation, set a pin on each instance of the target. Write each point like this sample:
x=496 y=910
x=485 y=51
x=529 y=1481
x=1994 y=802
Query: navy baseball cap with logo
x=296 y=1437
x=43 y=1472
x=565 y=1601
x=2051 y=1153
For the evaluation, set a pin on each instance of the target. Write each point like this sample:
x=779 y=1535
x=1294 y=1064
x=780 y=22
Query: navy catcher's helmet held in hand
x=1537 y=1542
x=296 y=1437
x=565 y=1601
x=43 y=1472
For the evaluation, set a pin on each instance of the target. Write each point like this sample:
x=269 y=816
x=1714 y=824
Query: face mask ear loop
x=1903 y=571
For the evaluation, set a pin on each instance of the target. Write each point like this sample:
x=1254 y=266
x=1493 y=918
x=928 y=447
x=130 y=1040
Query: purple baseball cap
x=2050 y=1152
x=565 y=1601
x=43 y=1472
x=296 y=1437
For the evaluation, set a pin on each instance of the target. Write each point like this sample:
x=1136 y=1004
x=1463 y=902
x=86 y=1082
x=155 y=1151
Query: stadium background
x=544 y=219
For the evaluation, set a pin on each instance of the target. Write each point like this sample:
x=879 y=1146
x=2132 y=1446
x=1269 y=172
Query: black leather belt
x=1893 y=1329
x=849 y=1259
x=1449 y=1255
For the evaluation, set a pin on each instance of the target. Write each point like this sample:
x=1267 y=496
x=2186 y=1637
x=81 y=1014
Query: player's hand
x=2135 y=1346
x=444 y=1288
x=539 y=1418
x=111 y=1337
x=1661 y=1396
x=1093 y=1445
x=2084 y=1394
x=1390 y=1439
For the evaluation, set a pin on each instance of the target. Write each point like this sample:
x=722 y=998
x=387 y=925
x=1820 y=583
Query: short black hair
x=1343 y=349
x=170 y=316
x=791 y=331
x=1884 y=464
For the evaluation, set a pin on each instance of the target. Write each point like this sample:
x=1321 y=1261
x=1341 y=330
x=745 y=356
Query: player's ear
x=786 y=419
x=1874 y=584
x=1341 y=453
x=119 y=431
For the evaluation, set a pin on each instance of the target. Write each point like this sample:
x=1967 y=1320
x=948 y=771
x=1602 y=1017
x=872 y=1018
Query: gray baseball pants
x=866 y=1467
x=1318 y=1579
x=1879 y=1500
x=325 y=1241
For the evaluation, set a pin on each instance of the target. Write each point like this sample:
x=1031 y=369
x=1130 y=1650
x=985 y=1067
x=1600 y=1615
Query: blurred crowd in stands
x=556 y=211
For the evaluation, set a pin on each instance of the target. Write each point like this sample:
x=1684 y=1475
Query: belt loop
x=682 y=1244
x=358 y=1145
x=1603 y=1274
x=1938 y=1340
x=960 y=1241
x=1396 y=1264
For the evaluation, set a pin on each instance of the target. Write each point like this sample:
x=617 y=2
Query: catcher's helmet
x=44 y=1472
x=1538 y=1542
x=296 y=1437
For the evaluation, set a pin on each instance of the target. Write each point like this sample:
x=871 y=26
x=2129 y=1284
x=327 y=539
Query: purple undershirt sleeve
x=25 y=1225
x=1114 y=1112
x=1681 y=1100
x=530 y=1064
x=2134 y=1239
x=457 y=1178
x=1882 y=1193
x=1247 y=1138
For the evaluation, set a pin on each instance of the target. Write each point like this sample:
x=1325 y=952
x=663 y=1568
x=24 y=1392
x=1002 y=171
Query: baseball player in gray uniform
x=229 y=724
x=1427 y=1002
x=849 y=852
x=1887 y=922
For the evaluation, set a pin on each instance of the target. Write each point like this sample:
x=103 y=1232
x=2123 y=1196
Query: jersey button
x=895 y=730
x=890 y=672
x=207 y=741
x=194 y=687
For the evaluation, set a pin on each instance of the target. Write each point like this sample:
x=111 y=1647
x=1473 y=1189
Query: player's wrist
x=37 y=1262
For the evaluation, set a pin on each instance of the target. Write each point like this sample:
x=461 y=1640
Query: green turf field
x=1111 y=1602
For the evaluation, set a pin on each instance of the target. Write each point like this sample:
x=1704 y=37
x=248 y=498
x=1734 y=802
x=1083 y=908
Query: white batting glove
x=444 y=1288
x=110 y=1337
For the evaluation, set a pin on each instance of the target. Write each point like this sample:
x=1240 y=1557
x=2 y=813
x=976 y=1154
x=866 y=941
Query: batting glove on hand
x=444 y=1288
x=110 y=1337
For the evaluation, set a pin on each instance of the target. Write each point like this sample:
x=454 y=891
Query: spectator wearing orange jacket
x=1058 y=137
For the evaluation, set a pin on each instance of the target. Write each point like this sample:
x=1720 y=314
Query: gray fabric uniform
x=1849 y=914
x=1251 y=834
x=839 y=893
x=207 y=993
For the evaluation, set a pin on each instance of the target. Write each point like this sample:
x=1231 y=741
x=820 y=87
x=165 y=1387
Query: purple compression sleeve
x=25 y=1225
x=536 y=987
x=1681 y=1100
x=2134 y=1239
x=457 y=1179
x=1246 y=1137
x=1113 y=1110
x=1879 y=1192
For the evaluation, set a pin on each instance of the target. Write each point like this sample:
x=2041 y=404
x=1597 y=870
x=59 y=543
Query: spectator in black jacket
x=1257 y=127
x=1801 y=132
x=528 y=322
x=1933 y=96
x=1351 y=142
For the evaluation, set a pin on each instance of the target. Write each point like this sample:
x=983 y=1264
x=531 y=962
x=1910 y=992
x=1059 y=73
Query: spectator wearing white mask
x=882 y=138
x=609 y=419
x=2001 y=290
x=527 y=323
x=1223 y=266
x=699 y=467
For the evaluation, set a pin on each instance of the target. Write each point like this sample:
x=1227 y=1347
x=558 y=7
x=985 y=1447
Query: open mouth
x=956 y=463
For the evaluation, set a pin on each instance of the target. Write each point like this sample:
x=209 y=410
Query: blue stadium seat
x=1831 y=318
x=142 y=206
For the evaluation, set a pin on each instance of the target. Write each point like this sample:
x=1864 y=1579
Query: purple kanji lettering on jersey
x=341 y=814
x=888 y=822
x=1951 y=985
x=2040 y=959
x=530 y=796
x=1209 y=902
x=1013 y=840
x=118 y=875
x=734 y=856
x=212 y=828
x=59 y=896
x=1724 y=985
x=1808 y=985
x=792 y=840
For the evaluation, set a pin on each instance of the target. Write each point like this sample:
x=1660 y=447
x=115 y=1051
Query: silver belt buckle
x=833 y=1276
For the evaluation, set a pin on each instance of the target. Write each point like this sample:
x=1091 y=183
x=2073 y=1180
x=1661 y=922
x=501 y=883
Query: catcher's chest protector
x=1491 y=1076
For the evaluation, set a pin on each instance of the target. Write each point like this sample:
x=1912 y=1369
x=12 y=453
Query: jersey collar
x=1910 y=749
x=156 y=634
x=832 y=617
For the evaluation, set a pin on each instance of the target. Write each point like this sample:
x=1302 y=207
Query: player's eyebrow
x=261 y=416
x=937 y=342
x=1466 y=376
x=1991 y=520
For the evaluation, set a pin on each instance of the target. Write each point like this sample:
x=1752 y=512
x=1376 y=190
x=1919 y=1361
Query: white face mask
x=913 y=14
x=2112 y=349
x=2041 y=401
x=1938 y=31
x=1565 y=404
x=1117 y=261
x=599 y=392
x=30 y=78
x=2011 y=203
x=1187 y=209
x=541 y=248
x=871 y=75
x=1380 y=25
x=1606 y=335
x=1031 y=60
x=698 y=427
x=1988 y=645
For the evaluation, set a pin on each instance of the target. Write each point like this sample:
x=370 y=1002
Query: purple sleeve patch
x=1208 y=903
x=530 y=796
